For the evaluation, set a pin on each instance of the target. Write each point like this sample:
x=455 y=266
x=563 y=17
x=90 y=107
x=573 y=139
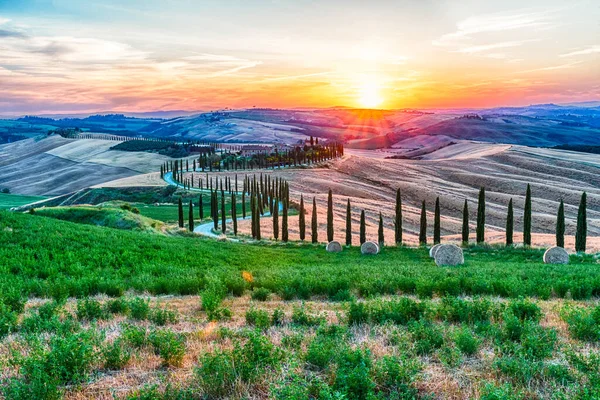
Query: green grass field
x=8 y=201
x=275 y=321
x=44 y=255
x=170 y=212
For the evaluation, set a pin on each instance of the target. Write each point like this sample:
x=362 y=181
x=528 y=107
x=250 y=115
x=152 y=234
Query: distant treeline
x=579 y=147
x=166 y=148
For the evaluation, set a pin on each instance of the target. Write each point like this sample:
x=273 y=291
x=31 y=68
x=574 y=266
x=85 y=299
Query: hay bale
x=369 y=248
x=334 y=247
x=556 y=255
x=433 y=250
x=449 y=255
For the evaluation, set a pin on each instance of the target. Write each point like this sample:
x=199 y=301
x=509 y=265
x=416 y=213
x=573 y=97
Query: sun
x=370 y=95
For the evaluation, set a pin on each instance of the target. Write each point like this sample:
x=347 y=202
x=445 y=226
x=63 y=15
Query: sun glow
x=370 y=95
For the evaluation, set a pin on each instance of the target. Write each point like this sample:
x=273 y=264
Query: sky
x=76 y=56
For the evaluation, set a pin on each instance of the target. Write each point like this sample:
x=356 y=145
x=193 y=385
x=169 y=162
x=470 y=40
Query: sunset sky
x=67 y=56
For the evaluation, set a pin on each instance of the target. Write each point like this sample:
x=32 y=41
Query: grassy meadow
x=8 y=201
x=94 y=312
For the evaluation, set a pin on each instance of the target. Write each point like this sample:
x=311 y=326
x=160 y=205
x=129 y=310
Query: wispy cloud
x=492 y=46
x=294 y=77
x=552 y=68
x=583 y=52
x=496 y=23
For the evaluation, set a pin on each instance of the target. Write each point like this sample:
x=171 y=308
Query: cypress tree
x=234 y=213
x=200 y=208
x=398 y=219
x=223 y=214
x=380 y=237
x=314 y=227
x=191 y=217
x=527 y=218
x=180 y=213
x=437 y=236
x=481 y=217
x=581 y=234
x=423 y=226
x=348 y=224
x=215 y=209
x=253 y=214
x=243 y=204
x=363 y=228
x=465 y=224
x=302 y=219
x=560 y=225
x=276 y=219
x=258 y=214
x=284 y=223
x=330 y=216
x=510 y=220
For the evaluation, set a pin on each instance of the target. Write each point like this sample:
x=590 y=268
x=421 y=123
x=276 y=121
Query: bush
x=6 y=190
x=427 y=336
x=117 y=306
x=401 y=311
x=302 y=316
x=450 y=356
x=258 y=318
x=466 y=342
x=169 y=346
x=116 y=356
x=397 y=375
x=261 y=294
x=216 y=374
x=353 y=375
x=8 y=320
x=584 y=324
x=278 y=317
x=453 y=309
x=162 y=316
x=14 y=300
x=212 y=297
x=90 y=310
x=525 y=310
x=136 y=337
x=139 y=309
x=491 y=391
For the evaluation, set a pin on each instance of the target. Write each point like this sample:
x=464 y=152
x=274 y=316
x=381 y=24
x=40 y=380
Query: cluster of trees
x=228 y=161
x=273 y=194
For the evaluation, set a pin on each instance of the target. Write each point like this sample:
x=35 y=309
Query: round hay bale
x=556 y=255
x=449 y=255
x=369 y=248
x=334 y=247
x=433 y=250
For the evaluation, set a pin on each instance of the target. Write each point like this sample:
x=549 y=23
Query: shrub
x=117 y=306
x=491 y=391
x=353 y=376
x=258 y=318
x=519 y=369
x=8 y=320
x=450 y=356
x=292 y=341
x=584 y=324
x=216 y=375
x=401 y=311
x=525 y=310
x=162 y=316
x=139 y=309
x=397 y=375
x=212 y=297
x=466 y=342
x=278 y=317
x=90 y=310
x=169 y=346
x=427 y=336
x=302 y=316
x=453 y=309
x=14 y=300
x=325 y=347
x=256 y=356
x=116 y=356
x=261 y=294
x=135 y=336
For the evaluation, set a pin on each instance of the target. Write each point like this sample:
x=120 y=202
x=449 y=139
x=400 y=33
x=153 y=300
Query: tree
x=302 y=219
x=314 y=233
x=191 y=217
x=398 y=219
x=510 y=224
x=581 y=234
x=363 y=228
x=276 y=219
x=180 y=213
x=437 y=236
x=234 y=213
x=257 y=211
x=284 y=223
x=560 y=225
x=200 y=208
x=481 y=217
x=423 y=227
x=348 y=224
x=465 y=224
x=527 y=218
x=223 y=214
x=380 y=236
x=214 y=209
x=330 y=216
